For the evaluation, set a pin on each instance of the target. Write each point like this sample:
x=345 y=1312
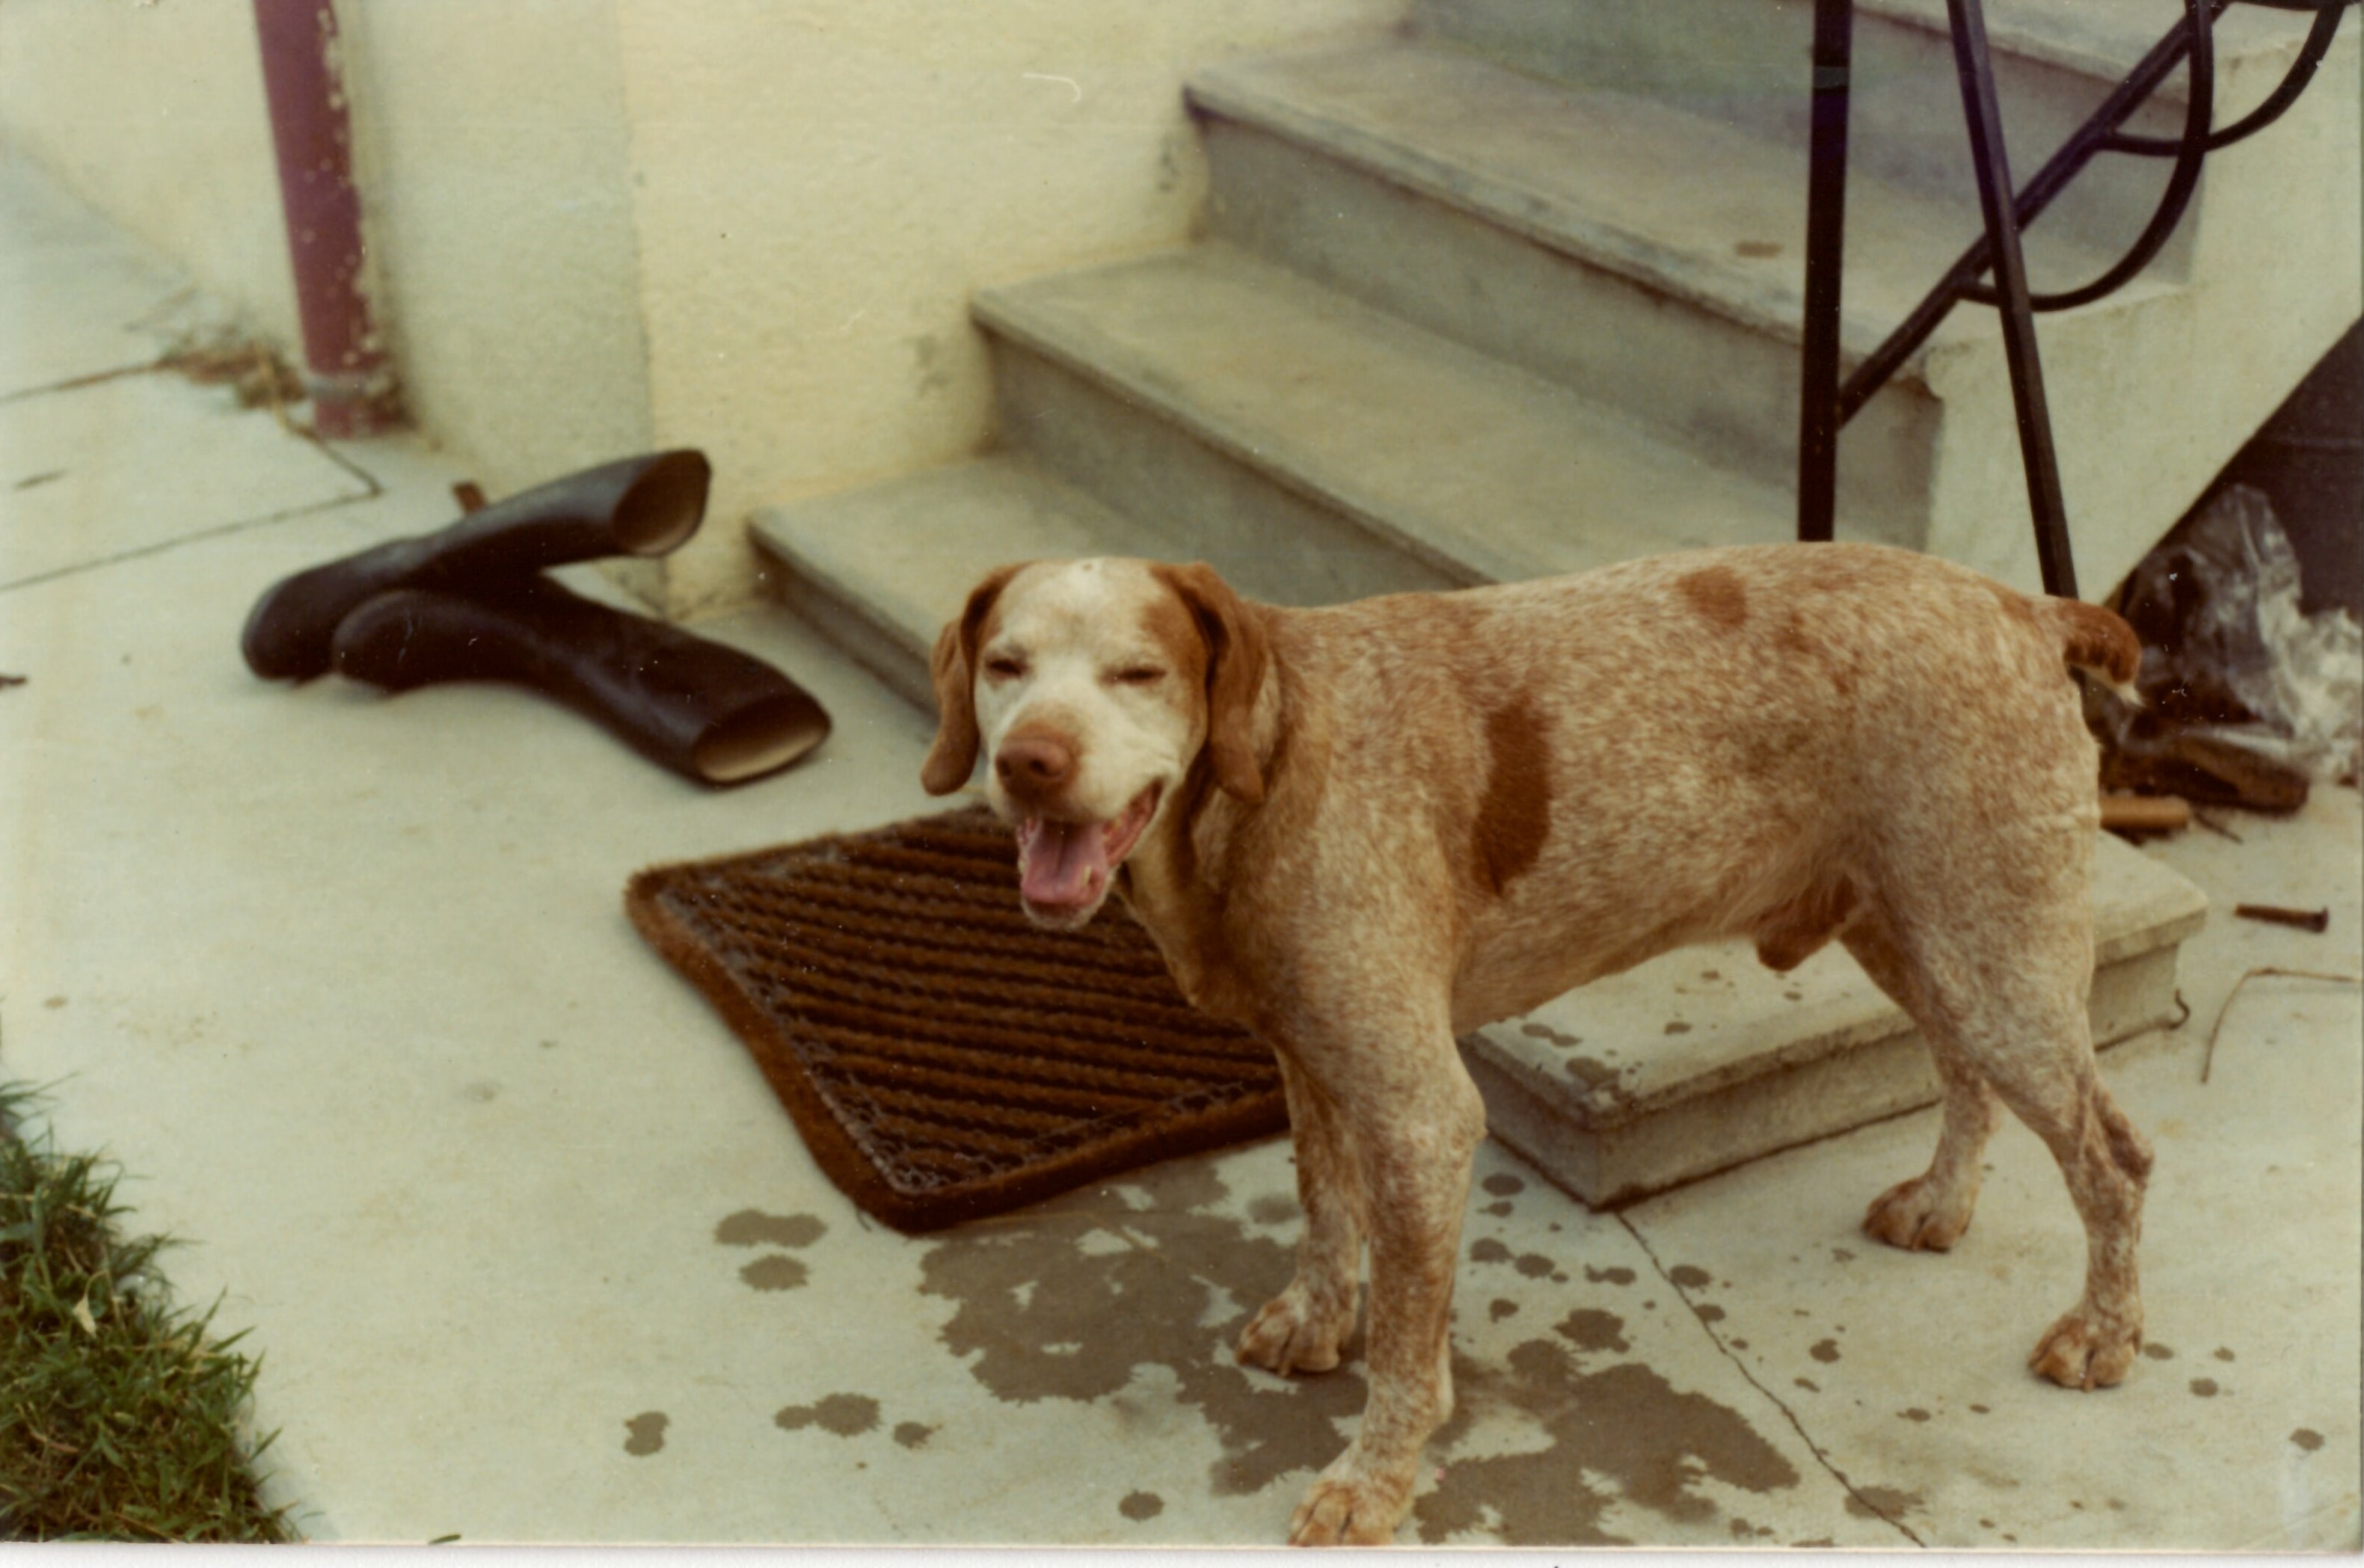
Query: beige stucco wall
x=155 y=114
x=492 y=151
x=751 y=226
x=822 y=185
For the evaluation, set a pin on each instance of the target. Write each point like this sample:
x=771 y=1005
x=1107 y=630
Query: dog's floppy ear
x=953 y=756
x=1236 y=659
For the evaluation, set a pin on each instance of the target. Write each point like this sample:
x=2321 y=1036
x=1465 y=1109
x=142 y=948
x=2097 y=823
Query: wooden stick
x=2146 y=813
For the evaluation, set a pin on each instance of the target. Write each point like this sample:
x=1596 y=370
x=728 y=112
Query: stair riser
x=1699 y=377
x=1745 y=62
x=1275 y=542
x=840 y=615
x=1781 y=1108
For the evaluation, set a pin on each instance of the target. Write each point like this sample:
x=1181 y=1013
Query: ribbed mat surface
x=944 y=1059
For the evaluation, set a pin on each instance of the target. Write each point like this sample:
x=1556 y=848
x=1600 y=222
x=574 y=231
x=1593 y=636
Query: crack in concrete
x=76 y=382
x=1820 y=1456
x=371 y=491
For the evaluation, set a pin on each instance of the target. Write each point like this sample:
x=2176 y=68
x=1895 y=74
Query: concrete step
x=1744 y=62
x=1598 y=235
x=1627 y=248
x=879 y=570
x=1318 y=449
x=1703 y=1059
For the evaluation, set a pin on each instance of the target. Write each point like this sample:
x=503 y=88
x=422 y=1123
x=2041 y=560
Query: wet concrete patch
x=776 y=1271
x=1588 y=1329
x=1139 y=1505
x=753 y=1227
x=1070 y=1300
x=1889 y=1503
x=644 y=1433
x=846 y=1415
x=1622 y=1432
x=913 y=1434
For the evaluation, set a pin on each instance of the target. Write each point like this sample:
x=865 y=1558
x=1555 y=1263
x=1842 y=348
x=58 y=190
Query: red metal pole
x=348 y=375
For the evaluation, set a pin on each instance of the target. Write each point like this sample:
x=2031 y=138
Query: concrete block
x=1701 y=1059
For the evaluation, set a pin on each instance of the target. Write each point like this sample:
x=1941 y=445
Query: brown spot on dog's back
x=1718 y=594
x=1514 y=814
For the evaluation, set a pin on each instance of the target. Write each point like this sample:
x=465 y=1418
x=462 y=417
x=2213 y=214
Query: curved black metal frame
x=1828 y=404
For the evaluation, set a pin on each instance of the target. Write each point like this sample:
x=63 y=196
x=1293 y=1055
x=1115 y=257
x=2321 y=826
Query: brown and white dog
x=1362 y=830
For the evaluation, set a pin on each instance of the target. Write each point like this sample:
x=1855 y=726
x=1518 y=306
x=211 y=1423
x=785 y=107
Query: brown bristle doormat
x=943 y=1059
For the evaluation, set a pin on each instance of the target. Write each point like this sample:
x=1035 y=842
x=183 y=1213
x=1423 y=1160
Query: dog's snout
x=1034 y=766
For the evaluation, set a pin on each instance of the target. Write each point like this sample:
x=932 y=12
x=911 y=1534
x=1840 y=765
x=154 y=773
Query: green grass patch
x=120 y=1417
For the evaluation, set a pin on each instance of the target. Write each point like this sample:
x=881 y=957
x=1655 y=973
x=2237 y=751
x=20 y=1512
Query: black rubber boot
x=639 y=505
x=704 y=710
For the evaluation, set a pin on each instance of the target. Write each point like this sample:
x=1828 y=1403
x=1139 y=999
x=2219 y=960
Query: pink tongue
x=1061 y=860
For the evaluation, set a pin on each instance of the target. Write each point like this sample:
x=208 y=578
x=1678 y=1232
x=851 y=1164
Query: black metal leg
x=1995 y=200
x=1817 y=414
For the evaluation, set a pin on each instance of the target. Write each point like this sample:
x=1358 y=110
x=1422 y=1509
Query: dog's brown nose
x=1034 y=766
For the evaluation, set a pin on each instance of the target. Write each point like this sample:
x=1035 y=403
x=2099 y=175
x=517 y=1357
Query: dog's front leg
x=1413 y=1122
x=1306 y=1327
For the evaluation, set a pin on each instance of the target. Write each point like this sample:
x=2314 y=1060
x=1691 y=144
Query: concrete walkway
x=532 y=1254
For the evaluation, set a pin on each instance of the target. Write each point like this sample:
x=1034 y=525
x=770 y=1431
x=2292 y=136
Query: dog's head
x=1090 y=687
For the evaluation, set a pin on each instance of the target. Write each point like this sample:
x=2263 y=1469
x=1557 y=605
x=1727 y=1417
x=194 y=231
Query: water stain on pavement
x=846 y=1415
x=1625 y=1424
x=1069 y=1299
x=912 y=1434
x=1889 y=1502
x=776 y=1271
x=1141 y=1506
x=1592 y=1330
x=773 y=1271
x=753 y=1227
x=644 y=1434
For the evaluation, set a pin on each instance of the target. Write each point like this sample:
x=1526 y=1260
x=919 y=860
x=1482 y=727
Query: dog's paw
x=2080 y=1352
x=1348 y=1508
x=1914 y=1216
x=1293 y=1334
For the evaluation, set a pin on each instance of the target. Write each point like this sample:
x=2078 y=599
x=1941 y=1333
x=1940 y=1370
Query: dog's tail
x=2093 y=639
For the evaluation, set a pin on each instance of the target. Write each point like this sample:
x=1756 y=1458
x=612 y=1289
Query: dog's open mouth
x=1063 y=867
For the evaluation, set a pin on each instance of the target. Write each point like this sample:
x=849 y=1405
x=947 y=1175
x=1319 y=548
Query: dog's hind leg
x=1931 y=1210
x=1306 y=1327
x=2002 y=995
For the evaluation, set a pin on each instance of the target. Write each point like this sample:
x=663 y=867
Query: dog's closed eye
x=1137 y=675
x=1004 y=667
